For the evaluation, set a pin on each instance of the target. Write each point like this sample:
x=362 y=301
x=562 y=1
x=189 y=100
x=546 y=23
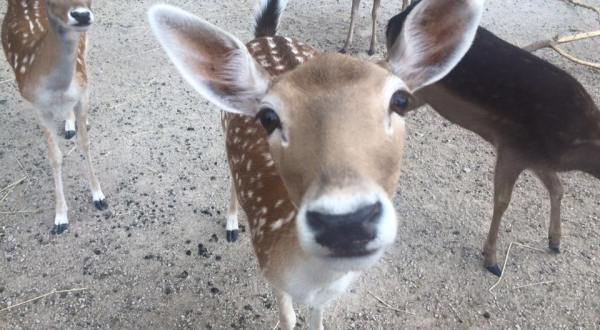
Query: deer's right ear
x=434 y=37
x=214 y=62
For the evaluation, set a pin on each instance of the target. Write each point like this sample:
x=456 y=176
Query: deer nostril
x=82 y=17
x=346 y=231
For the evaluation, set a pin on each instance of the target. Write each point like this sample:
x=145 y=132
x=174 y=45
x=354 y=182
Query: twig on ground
x=40 y=297
x=5 y=81
x=8 y=189
x=152 y=170
x=529 y=247
x=71 y=151
x=553 y=43
x=584 y=5
x=506 y=260
x=388 y=305
x=503 y=268
x=276 y=325
x=533 y=284
x=21 y=212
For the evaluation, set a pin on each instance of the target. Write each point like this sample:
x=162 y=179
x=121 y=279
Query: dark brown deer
x=537 y=116
x=313 y=140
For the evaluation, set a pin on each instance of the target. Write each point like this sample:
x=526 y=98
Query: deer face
x=71 y=14
x=337 y=143
x=333 y=126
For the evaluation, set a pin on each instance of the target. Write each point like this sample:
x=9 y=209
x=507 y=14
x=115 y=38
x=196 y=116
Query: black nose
x=82 y=17
x=346 y=234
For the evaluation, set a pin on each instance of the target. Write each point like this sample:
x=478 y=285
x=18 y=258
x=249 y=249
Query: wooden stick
x=503 y=268
x=553 y=43
x=561 y=40
x=20 y=212
x=584 y=5
x=575 y=59
x=533 y=284
x=14 y=184
x=388 y=305
x=40 y=297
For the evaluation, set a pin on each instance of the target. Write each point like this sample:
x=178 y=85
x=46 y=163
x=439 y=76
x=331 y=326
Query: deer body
x=45 y=43
x=314 y=142
x=536 y=115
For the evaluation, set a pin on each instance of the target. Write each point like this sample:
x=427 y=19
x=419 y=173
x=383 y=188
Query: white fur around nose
x=80 y=10
x=336 y=203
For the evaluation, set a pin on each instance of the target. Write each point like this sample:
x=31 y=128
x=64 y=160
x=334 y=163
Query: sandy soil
x=158 y=259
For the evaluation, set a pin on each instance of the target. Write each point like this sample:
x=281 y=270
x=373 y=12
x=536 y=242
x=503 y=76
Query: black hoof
x=101 y=204
x=59 y=229
x=554 y=248
x=343 y=51
x=494 y=269
x=69 y=134
x=370 y=52
x=232 y=235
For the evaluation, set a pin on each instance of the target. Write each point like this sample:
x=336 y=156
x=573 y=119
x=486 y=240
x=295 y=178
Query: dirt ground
x=159 y=260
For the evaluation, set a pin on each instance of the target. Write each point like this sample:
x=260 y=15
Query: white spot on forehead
x=278 y=203
x=276 y=225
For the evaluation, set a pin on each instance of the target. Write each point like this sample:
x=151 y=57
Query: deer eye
x=269 y=120
x=400 y=102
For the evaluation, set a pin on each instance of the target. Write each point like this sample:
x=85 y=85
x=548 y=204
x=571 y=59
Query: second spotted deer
x=45 y=43
x=314 y=141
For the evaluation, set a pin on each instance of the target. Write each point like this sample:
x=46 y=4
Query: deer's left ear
x=434 y=38
x=215 y=63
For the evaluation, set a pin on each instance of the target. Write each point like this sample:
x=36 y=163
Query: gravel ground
x=158 y=259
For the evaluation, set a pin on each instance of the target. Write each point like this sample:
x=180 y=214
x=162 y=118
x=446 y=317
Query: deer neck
x=60 y=49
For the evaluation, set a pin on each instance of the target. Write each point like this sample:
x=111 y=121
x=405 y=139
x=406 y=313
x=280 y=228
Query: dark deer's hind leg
x=555 y=189
x=507 y=171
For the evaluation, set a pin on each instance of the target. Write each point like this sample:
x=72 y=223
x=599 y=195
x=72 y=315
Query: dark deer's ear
x=214 y=62
x=433 y=40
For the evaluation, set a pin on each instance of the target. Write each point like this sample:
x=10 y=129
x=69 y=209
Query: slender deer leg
x=552 y=183
x=506 y=173
x=232 y=215
x=61 y=220
x=375 y=15
x=316 y=318
x=84 y=144
x=287 y=316
x=70 y=126
x=348 y=44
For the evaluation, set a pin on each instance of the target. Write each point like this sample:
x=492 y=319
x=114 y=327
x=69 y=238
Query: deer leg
x=232 y=215
x=348 y=44
x=70 y=126
x=374 y=14
x=555 y=189
x=61 y=220
x=316 y=318
x=84 y=144
x=287 y=316
x=505 y=176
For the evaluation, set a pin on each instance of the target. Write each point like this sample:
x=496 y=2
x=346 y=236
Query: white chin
x=78 y=28
x=357 y=263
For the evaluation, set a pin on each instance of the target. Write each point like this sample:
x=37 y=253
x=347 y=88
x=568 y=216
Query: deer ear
x=214 y=62
x=434 y=38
